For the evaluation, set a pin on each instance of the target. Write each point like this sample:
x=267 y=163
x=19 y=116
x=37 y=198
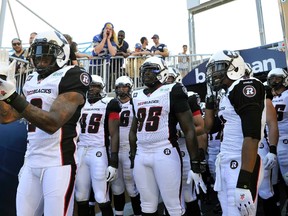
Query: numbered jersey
x=55 y=149
x=242 y=111
x=94 y=122
x=281 y=105
x=126 y=117
x=156 y=115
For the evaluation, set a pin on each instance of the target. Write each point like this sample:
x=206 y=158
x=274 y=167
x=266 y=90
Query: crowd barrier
x=112 y=68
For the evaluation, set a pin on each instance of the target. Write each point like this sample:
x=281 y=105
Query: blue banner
x=260 y=60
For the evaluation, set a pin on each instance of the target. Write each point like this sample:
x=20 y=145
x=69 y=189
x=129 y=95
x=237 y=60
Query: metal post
x=2 y=19
x=283 y=9
x=260 y=22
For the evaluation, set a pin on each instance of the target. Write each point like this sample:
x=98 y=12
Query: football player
x=99 y=133
x=55 y=94
x=242 y=111
x=277 y=79
x=123 y=90
x=157 y=166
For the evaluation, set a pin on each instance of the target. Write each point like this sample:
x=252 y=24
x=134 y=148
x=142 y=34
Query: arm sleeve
x=76 y=79
x=248 y=99
x=114 y=106
x=179 y=98
x=269 y=94
x=194 y=104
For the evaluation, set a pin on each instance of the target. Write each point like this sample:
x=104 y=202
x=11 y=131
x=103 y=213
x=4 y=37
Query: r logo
x=85 y=79
x=98 y=154
x=249 y=91
x=233 y=164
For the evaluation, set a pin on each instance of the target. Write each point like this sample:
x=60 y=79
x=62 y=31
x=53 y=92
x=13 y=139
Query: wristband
x=114 y=160
x=201 y=154
x=210 y=102
x=17 y=102
x=273 y=149
x=195 y=166
x=244 y=179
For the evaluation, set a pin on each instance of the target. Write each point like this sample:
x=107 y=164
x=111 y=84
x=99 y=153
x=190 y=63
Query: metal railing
x=112 y=68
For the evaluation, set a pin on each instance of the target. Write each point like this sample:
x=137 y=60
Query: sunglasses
x=16 y=44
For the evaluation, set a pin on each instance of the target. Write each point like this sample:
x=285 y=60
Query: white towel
x=217 y=184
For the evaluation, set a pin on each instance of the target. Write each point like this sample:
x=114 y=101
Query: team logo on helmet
x=85 y=79
x=249 y=91
x=231 y=54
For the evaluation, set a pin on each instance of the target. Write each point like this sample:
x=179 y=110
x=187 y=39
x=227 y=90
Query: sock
x=119 y=202
x=136 y=205
x=192 y=208
x=83 y=208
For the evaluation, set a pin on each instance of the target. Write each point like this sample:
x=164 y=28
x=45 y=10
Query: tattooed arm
x=61 y=111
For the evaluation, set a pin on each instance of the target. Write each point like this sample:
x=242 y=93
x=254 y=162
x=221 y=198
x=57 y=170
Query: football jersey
x=242 y=96
x=55 y=149
x=126 y=117
x=156 y=117
x=280 y=103
x=94 y=122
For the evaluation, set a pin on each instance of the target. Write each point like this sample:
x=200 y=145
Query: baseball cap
x=138 y=46
x=155 y=36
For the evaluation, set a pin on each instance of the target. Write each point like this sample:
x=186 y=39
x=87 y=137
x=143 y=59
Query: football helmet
x=223 y=64
x=49 y=44
x=94 y=94
x=277 y=78
x=158 y=69
x=123 y=81
x=174 y=73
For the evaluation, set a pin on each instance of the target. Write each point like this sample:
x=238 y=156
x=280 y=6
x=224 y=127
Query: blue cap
x=138 y=46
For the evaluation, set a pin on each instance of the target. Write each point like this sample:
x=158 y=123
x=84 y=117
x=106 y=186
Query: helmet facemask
x=123 y=87
x=216 y=73
x=275 y=82
x=153 y=76
x=121 y=92
x=95 y=92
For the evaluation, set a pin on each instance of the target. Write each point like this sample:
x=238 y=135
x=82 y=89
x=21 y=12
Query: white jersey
x=155 y=113
x=126 y=117
x=55 y=149
x=281 y=105
x=232 y=105
x=94 y=123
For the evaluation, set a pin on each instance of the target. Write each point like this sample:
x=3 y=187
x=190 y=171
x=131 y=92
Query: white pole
x=2 y=19
x=283 y=8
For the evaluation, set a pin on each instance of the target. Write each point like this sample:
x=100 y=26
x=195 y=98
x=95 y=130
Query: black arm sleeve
x=248 y=98
x=75 y=80
x=194 y=103
x=114 y=106
x=269 y=94
x=179 y=98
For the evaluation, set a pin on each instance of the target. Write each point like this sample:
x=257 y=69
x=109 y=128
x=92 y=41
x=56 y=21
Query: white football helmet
x=53 y=44
x=159 y=69
x=224 y=63
x=277 y=73
x=123 y=81
x=96 y=94
x=173 y=72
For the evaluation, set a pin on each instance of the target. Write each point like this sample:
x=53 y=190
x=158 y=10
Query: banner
x=260 y=60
